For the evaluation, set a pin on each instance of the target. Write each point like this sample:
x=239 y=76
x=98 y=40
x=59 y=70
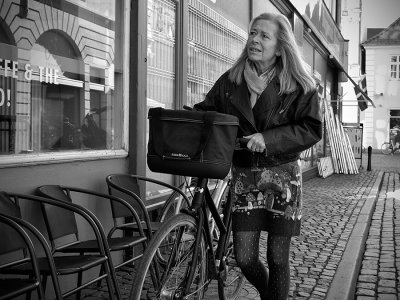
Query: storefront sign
x=5 y=96
x=48 y=75
x=10 y=69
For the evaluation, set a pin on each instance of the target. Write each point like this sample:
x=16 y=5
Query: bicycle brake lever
x=242 y=142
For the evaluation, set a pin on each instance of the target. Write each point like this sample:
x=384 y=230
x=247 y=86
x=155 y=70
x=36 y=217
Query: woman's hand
x=256 y=142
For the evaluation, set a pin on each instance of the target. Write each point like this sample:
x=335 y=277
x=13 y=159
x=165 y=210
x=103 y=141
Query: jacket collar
x=241 y=99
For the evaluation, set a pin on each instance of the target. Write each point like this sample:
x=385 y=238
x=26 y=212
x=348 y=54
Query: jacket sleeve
x=303 y=130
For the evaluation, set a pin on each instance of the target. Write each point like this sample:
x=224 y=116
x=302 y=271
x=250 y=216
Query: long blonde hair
x=289 y=65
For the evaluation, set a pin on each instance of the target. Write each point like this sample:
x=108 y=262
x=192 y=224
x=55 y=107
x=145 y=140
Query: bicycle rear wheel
x=386 y=148
x=176 y=243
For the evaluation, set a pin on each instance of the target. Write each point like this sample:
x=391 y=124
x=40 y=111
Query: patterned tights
x=276 y=285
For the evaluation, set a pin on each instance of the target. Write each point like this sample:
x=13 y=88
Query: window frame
x=397 y=65
x=121 y=75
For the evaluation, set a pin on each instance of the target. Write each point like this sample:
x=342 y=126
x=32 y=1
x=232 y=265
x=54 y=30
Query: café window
x=57 y=77
x=161 y=73
x=214 y=43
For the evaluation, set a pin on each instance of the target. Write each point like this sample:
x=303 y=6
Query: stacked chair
x=53 y=264
x=16 y=239
x=65 y=251
x=126 y=186
x=62 y=224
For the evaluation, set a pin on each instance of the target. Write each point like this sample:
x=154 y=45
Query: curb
x=344 y=282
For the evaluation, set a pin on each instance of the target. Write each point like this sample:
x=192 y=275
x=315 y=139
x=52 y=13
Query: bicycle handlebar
x=241 y=143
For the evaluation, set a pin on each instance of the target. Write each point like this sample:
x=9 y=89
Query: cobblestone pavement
x=333 y=208
x=380 y=269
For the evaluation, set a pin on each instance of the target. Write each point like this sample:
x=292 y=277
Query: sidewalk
x=332 y=207
x=349 y=247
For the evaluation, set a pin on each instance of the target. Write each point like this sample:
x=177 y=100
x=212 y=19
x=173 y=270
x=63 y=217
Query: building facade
x=382 y=65
x=370 y=55
x=77 y=78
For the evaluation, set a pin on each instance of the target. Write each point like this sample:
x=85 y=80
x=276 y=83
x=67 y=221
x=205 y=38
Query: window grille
x=395 y=67
x=161 y=53
x=214 y=43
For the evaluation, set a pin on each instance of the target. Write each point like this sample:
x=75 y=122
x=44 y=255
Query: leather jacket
x=289 y=123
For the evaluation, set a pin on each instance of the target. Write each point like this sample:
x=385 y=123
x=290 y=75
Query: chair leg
x=44 y=283
x=112 y=282
x=155 y=273
x=28 y=295
x=78 y=294
x=101 y=272
x=41 y=291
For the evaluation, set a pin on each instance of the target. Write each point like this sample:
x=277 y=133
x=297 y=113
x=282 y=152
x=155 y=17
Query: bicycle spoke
x=179 y=256
x=181 y=274
x=175 y=243
x=386 y=148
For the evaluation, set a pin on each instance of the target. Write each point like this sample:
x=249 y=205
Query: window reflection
x=161 y=53
x=161 y=47
x=214 y=43
x=57 y=77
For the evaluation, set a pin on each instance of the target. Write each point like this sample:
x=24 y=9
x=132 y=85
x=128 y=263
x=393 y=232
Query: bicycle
x=173 y=205
x=193 y=253
x=387 y=148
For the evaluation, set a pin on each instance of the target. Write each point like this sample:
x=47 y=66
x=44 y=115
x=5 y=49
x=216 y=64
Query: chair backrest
x=15 y=238
x=125 y=187
x=8 y=206
x=9 y=242
x=59 y=221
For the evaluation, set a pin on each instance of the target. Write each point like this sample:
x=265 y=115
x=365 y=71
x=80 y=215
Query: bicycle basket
x=191 y=143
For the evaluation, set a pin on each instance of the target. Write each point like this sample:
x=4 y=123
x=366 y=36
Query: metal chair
x=65 y=264
x=126 y=186
x=60 y=225
x=17 y=244
x=28 y=227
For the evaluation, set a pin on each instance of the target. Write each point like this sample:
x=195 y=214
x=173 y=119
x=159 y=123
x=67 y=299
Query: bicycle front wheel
x=386 y=148
x=175 y=241
x=173 y=206
x=231 y=279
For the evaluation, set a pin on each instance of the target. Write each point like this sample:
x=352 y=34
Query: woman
x=276 y=102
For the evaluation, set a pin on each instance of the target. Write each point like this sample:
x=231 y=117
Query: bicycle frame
x=201 y=201
x=193 y=248
x=389 y=148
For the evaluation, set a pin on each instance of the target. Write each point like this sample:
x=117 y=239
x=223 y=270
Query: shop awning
x=360 y=89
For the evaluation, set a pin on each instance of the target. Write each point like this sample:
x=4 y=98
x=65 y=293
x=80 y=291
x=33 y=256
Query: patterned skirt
x=268 y=198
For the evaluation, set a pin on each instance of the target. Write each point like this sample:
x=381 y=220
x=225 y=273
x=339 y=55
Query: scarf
x=257 y=84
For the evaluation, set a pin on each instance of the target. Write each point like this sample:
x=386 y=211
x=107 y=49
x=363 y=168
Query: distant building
x=382 y=66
